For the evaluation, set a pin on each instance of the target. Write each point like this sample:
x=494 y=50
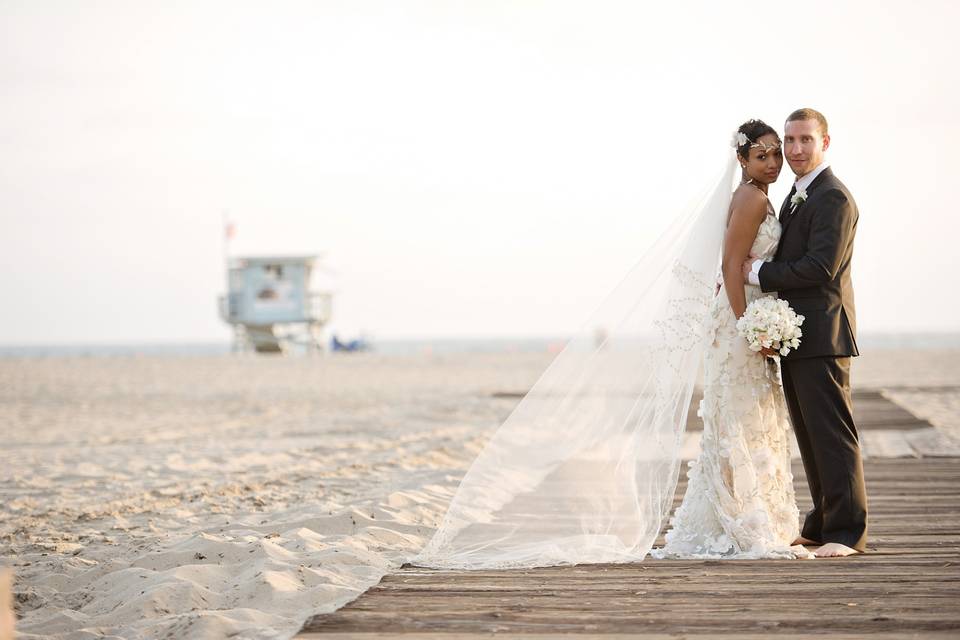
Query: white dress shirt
x=801 y=184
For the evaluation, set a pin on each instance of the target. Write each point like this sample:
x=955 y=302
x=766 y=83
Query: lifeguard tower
x=270 y=305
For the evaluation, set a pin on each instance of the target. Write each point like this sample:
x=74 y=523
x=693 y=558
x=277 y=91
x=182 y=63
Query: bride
x=740 y=500
x=585 y=468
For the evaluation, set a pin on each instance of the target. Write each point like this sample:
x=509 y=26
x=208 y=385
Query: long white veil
x=585 y=467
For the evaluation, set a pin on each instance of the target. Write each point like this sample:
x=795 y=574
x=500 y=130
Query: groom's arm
x=831 y=230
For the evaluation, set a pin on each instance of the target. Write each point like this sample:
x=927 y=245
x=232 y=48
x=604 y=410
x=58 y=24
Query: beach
x=212 y=496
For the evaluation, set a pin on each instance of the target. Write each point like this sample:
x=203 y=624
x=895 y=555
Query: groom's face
x=804 y=145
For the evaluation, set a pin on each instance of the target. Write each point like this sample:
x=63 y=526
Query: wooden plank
x=871 y=410
x=875 y=443
x=933 y=443
x=908 y=585
x=886 y=443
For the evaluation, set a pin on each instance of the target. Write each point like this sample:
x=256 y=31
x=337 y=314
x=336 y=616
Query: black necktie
x=787 y=208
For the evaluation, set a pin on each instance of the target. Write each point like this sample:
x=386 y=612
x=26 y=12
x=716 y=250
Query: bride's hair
x=753 y=129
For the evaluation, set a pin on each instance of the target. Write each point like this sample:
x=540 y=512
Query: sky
x=466 y=169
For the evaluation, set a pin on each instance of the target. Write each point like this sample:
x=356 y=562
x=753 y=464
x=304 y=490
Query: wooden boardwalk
x=908 y=585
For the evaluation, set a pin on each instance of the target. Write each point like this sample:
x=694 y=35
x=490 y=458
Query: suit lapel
x=826 y=173
x=785 y=216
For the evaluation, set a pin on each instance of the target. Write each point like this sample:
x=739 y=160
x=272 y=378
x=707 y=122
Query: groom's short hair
x=809 y=114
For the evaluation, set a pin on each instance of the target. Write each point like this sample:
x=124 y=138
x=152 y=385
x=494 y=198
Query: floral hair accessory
x=740 y=139
x=766 y=148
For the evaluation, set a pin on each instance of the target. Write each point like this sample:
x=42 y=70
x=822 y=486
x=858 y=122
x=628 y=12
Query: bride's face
x=764 y=162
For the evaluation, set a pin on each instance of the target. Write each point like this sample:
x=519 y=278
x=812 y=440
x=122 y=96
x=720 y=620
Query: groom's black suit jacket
x=811 y=269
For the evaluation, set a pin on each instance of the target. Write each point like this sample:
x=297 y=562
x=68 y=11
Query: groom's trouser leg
x=812 y=526
x=822 y=395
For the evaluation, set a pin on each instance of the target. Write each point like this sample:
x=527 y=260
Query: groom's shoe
x=834 y=550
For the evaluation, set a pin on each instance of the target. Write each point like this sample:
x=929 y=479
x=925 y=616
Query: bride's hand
x=768 y=352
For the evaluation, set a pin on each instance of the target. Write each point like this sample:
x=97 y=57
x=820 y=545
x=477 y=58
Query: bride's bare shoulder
x=749 y=199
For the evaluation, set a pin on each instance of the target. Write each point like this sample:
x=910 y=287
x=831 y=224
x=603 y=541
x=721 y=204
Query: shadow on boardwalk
x=908 y=585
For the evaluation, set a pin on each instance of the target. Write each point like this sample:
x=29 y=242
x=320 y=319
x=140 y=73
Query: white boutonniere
x=798 y=198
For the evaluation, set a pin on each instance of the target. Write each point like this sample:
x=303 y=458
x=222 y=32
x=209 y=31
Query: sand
x=205 y=497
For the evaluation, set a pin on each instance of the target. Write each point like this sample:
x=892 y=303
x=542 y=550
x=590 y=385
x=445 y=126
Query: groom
x=811 y=271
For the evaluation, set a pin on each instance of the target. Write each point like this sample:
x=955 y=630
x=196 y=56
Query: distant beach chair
x=353 y=345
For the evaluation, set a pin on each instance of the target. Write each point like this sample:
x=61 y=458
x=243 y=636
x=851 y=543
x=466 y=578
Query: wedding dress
x=740 y=500
x=585 y=468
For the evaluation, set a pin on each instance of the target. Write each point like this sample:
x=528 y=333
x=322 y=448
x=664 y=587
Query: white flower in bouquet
x=770 y=322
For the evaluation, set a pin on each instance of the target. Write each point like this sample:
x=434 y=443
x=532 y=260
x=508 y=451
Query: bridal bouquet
x=770 y=322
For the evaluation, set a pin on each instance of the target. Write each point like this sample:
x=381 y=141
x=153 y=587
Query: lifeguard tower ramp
x=270 y=305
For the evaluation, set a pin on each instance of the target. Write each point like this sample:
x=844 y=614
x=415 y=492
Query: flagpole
x=225 y=247
x=227 y=236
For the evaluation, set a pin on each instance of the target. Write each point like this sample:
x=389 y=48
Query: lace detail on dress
x=740 y=501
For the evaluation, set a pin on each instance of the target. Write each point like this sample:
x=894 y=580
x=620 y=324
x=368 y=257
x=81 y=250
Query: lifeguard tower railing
x=319 y=307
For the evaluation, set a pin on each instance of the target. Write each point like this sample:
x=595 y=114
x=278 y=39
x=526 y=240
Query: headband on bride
x=740 y=139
